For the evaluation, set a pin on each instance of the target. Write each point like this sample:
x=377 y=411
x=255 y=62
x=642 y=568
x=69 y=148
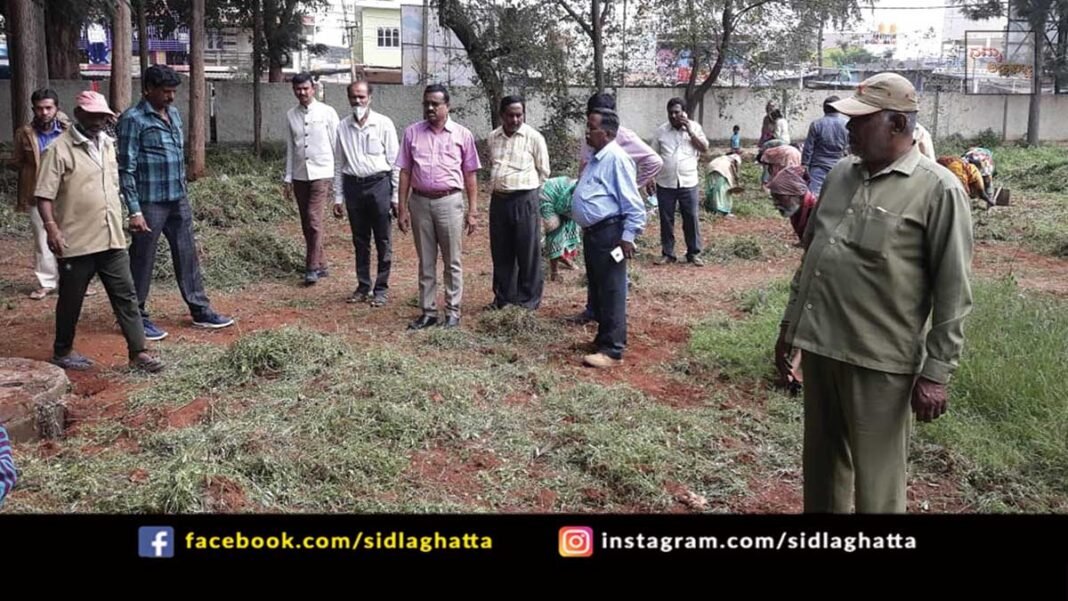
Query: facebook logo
x=155 y=541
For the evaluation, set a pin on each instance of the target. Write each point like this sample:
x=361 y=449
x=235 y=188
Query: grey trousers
x=438 y=224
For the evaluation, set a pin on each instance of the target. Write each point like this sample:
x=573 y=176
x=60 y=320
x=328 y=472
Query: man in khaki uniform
x=78 y=200
x=878 y=304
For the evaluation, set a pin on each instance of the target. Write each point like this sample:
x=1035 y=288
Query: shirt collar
x=147 y=108
x=308 y=108
x=80 y=138
x=604 y=151
x=371 y=114
x=905 y=164
x=56 y=128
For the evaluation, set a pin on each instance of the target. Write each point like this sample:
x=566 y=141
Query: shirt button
x=866 y=183
x=831 y=241
x=849 y=210
x=819 y=273
x=808 y=306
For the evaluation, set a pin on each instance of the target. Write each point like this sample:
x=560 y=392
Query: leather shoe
x=424 y=321
x=451 y=322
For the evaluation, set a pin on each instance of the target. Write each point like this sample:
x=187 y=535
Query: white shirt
x=310 y=143
x=365 y=151
x=679 y=155
x=782 y=130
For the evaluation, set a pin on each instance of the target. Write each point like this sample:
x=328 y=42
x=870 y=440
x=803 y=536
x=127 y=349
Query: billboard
x=999 y=62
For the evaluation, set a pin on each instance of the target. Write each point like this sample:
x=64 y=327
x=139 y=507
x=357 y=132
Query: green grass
x=740 y=349
x=299 y=421
x=1009 y=406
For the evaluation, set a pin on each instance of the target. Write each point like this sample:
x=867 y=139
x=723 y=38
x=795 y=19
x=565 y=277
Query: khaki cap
x=881 y=92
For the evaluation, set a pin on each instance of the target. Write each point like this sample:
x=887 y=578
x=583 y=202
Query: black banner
x=1034 y=547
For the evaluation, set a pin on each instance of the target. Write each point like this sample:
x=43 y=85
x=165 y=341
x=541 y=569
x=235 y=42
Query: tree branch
x=577 y=17
x=757 y=4
x=604 y=11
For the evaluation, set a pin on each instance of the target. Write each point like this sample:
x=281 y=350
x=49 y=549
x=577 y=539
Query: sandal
x=40 y=293
x=150 y=364
x=72 y=361
x=358 y=297
x=378 y=301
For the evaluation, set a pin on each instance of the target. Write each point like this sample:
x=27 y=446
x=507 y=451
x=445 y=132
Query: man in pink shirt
x=438 y=162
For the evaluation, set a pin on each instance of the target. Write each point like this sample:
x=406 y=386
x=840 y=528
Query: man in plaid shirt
x=152 y=176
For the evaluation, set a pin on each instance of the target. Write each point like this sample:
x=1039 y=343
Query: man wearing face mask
x=78 y=200
x=365 y=184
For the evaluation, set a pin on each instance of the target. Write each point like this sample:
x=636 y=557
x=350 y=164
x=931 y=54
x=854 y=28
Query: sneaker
x=696 y=261
x=323 y=272
x=152 y=332
x=213 y=321
x=601 y=360
x=664 y=260
x=358 y=297
x=311 y=277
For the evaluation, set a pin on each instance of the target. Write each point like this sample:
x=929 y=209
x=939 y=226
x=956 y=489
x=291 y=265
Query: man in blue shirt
x=827 y=143
x=152 y=175
x=607 y=206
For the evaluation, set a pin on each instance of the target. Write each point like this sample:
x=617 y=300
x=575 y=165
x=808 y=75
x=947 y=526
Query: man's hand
x=784 y=359
x=138 y=224
x=404 y=221
x=628 y=249
x=56 y=241
x=287 y=191
x=470 y=222
x=928 y=399
x=650 y=188
x=685 y=123
x=339 y=210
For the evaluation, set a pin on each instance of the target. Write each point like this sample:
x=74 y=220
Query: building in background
x=431 y=53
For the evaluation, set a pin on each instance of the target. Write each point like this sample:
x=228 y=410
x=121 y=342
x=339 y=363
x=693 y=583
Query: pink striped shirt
x=438 y=161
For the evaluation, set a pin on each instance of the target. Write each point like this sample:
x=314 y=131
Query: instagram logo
x=576 y=541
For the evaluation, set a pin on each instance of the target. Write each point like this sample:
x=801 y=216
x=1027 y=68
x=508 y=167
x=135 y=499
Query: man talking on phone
x=680 y=143
x=607 y=206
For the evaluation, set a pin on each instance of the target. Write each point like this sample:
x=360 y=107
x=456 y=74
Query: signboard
x=999 y=62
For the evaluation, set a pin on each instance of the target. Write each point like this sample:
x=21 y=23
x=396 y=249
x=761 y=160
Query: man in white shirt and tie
x=312 y=133
x=680 y=143
x=365 y=184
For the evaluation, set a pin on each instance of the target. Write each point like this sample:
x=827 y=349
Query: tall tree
x=197 y=92
x=257 y=74
x=29 y=68
x=593 y=25
x=122 y=44
x=717 y=32
x=142 y=34
x=64 y=20
x=509 y=43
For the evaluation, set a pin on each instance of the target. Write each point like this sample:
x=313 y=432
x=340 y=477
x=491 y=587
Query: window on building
x=388 y=37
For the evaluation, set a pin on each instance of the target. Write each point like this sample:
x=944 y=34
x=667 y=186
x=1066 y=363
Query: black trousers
x=686 y=201
x=515 y=244
x=607 y=287
x=175 y=221
x=368 y=203
x=113 y=268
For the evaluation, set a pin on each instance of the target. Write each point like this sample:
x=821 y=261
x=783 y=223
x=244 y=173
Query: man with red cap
x=78 y=199
x=878 y=305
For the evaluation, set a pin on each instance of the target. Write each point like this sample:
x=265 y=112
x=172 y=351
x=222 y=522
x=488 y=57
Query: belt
x=607 y=221
x=437 y=193
x=370 y=178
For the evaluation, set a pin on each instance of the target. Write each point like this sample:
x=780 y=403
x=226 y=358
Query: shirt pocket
x=874 y=230
x=153 y=142
x=375 y=147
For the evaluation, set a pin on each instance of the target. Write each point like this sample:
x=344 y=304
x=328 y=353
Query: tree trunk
x=26 y=49
x=257 y=73
x=275 y=74
x=122 y=36
x=1060 y=75
x=819 y=45
x=197 y=92
x=598 y=44
x=1038 y=24
x=142 y=35
x=697 y=94
x=451 y=14
x=64 y=58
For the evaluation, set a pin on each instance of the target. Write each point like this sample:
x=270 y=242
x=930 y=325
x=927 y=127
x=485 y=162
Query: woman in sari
x=792 y=198
x=562 y=235
x=777 y=158
x=969 y=175
x=722 y=178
